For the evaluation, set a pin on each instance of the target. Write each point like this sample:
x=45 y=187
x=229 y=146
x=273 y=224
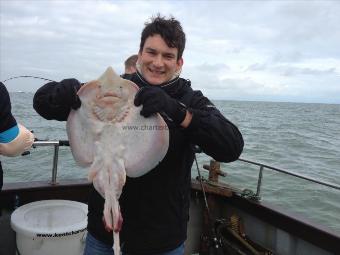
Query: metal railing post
x=55 y=164
x=56 y=145
x=259 y=183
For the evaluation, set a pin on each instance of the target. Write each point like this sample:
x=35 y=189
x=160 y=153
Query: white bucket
x=50 y=227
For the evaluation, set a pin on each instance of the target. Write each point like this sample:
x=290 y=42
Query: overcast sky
x=236 y=50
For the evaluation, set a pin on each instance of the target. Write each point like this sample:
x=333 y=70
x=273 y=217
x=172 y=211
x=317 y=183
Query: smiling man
x=155 y=206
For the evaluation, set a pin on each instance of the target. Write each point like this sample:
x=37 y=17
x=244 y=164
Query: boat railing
x=263 y=166
x=57 y=144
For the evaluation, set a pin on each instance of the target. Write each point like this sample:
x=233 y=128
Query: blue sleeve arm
x=8 y=125
x=9 y=134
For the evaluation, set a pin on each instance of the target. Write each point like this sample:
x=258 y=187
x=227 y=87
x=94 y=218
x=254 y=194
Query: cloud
x=293 y=71
x=279 y=49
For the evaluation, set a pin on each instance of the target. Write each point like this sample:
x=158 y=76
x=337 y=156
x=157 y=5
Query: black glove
x=66 y=93
x=155 y=99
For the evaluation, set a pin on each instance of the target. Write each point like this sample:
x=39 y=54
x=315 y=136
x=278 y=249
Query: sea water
x=299 y=137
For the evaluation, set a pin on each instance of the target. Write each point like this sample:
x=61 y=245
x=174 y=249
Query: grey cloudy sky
x=242 y=50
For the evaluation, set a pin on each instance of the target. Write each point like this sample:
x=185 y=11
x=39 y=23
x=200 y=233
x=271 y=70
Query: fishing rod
x=27 y=76
x=214 y=243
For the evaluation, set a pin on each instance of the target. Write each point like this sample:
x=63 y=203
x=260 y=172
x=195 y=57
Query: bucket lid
x=48 y=218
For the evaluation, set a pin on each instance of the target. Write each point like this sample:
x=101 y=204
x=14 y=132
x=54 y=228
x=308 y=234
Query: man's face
x=158 y=61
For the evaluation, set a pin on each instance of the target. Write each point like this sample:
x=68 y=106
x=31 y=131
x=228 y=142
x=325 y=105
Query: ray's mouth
x=108 y=98
x=110 y=94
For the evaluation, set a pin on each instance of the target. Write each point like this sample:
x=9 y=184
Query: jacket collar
x=174 y=87
x=163 y=85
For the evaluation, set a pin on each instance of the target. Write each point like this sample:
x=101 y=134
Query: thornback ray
x=108 y=135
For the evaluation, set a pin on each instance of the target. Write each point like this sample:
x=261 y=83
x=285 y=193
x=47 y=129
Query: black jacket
x=155 y=207
x=7 y=120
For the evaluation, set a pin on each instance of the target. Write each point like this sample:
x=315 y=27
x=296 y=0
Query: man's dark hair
x=169 y=29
